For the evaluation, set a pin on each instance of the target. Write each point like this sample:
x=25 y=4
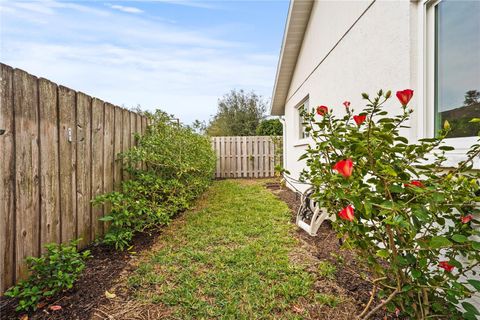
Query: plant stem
x=381 y=305
x=372 y=296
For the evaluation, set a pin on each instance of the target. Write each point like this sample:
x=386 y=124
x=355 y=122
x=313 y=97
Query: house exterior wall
x=347 y=63
x=337 y=63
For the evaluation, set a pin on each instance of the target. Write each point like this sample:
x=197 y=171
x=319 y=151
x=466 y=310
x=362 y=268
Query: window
x=456 y=89
x=302 y=134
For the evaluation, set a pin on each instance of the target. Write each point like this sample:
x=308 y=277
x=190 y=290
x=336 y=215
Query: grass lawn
x=229 y=258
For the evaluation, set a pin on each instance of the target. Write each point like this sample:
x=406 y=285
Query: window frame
x=299 y=139
x=428 y=73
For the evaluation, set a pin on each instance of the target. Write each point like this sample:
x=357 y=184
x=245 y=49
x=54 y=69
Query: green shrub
x=56 y=270
x=409 y=216
x=169 y=168
x=270 y=127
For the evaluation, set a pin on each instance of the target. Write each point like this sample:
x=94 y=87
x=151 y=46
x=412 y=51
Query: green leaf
x=474 y=283
x=368 y=209
x=402 y=139
x=470 y=308
x=469 y=316
x=438 y=197
x=446 y=148
x=106 y=218
x=421 y=214
x=383 y=253
x=455 y=263
x=476 y=245
x=407 y=288
x=416 y=273
x=396 y=189
x=423 y=262
x=303 y=157
x=438 y=242
x=459 y=238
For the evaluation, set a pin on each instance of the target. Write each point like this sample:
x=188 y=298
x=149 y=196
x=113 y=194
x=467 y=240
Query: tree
x=239 y=114
x=199 y=127
x=270 y=127
x=471 y=97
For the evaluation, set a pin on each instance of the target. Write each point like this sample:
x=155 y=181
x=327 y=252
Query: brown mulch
x=89 y=291
x=86 y=298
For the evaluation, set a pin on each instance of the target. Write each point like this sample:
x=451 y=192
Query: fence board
x=251 y=160
x=49 y=182
x=244 y=157
x=67 y=146
x=108 y=154
x=133 y=128
x=97 y=164
x=117 y=148
x=83 y=154
x=126 y=133
x=58 y=152
x=139 y=132
x=7 y=180
x=228 y=157
x=261 y=157
x=219 y=173
x=139 y=124
x=255 y=157
x=271 y=160
x=238 y=154
x=27 y=168
x=144 y=124
x=241 y=157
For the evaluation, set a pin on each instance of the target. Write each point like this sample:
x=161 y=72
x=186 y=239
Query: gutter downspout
x=284 y=141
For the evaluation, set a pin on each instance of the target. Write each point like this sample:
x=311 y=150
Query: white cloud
x=126 y=9
x=130 y=60
x=189 y=3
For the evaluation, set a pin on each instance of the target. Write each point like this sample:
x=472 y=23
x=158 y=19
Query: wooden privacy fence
x=58 y=150
x=245 y=157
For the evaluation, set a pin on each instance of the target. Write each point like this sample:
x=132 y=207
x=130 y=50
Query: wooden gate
x=246 y=157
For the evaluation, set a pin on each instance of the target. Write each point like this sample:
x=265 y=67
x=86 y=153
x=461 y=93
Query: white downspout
x=284 y=141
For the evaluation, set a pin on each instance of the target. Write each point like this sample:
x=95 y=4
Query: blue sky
x=177 y=55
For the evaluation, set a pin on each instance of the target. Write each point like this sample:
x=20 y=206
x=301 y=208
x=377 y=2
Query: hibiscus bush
x=409 y=217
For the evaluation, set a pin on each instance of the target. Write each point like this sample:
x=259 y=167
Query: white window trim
x=426 y=79
x=301 y=141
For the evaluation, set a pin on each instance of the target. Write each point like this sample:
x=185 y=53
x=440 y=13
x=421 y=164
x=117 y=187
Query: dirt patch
x=326 y=247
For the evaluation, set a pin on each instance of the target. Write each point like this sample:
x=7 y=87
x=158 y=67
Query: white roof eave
x=297 y=21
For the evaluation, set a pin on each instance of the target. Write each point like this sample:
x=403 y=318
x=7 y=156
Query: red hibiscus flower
x=322 y=110
x=359 y=119
x=467 y=218
x=405 y=96
x=446 y=266
x=346 y=104
x=347 y=213
x=416 y=183
x=344 y=167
